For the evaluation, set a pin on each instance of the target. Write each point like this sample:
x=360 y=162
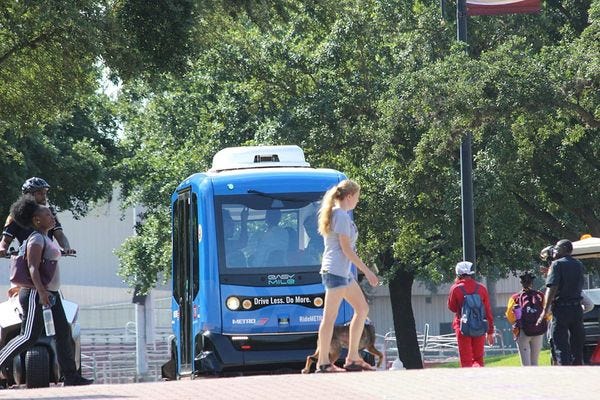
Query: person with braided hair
x=522 y=312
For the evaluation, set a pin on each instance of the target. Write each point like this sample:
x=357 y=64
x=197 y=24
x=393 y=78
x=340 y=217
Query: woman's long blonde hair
x=345 y=188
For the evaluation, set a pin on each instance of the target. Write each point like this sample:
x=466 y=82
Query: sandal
x=358 y=365
x=328 y=368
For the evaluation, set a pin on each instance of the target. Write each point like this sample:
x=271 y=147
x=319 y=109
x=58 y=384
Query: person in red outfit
x=470 y=349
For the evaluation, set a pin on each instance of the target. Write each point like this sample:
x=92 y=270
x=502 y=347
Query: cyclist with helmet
x=38 y=189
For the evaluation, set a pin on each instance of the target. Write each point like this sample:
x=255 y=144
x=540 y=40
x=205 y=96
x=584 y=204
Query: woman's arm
x=34 y=259
x=345 y=244
x=452 y=302
x=6 y=239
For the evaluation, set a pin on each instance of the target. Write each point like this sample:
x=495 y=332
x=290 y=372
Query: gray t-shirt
x=334 y=260
x=52 y=252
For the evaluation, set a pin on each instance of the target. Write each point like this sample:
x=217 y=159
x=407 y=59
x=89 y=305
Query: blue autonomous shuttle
x=247 y=294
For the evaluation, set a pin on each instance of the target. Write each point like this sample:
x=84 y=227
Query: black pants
x=32 y=328
x=567 y=334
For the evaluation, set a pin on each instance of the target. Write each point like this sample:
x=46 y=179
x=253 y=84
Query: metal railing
x=117 y=368
x=109 y=355
x=439 y=348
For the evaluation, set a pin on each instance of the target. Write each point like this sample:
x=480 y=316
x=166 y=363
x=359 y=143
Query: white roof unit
x=587 y=248
x=258 y=157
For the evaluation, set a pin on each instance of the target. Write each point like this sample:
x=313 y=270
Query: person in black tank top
x=37 y=188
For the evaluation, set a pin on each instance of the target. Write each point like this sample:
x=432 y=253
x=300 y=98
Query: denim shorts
x=331 y=281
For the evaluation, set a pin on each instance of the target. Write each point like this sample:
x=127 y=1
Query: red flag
x=495 y=7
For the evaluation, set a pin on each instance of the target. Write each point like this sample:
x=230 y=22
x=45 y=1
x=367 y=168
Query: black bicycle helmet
x=34 y=184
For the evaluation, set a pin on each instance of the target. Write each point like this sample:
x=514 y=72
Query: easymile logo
x=281 y=279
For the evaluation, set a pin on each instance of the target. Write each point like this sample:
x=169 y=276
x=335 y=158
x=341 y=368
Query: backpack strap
x=43 y=247
x=25 y=243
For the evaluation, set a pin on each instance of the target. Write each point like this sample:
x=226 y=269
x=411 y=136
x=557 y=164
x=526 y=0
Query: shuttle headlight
x=318 y=301
x=246 y=304
x=233 y=303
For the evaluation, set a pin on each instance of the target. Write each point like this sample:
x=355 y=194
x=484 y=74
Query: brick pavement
x=511 y=383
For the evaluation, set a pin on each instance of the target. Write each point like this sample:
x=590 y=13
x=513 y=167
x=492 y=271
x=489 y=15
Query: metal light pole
x=141 y=302
x=466 y=158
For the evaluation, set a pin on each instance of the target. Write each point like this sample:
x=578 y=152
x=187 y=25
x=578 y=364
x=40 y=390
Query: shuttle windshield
x=259 y=230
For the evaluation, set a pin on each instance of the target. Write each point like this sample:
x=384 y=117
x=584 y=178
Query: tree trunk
x=404 y=320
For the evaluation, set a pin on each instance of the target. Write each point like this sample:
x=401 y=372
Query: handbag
x=19 y=268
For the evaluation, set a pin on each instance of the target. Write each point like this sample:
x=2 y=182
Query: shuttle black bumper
x=247 y=353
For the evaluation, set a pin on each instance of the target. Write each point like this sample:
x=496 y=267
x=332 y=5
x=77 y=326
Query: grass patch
x=511 y=360
x=514 y=360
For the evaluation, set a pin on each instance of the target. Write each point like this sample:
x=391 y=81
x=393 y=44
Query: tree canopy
x=381 y=90
x=355 y=83
x=54 y=120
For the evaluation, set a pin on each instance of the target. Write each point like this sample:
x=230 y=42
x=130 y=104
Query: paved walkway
x=510 y=383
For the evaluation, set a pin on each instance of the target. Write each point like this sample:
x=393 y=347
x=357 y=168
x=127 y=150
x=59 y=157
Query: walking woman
x=28 y=213
x=340 y=234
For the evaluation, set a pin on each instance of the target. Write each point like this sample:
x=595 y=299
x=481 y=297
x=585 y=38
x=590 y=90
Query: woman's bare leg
x=333 y=299
x=356 y=298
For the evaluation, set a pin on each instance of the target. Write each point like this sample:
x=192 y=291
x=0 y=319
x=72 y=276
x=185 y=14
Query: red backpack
x=532 y=305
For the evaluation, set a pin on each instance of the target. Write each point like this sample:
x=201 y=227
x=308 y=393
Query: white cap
x=464 y=268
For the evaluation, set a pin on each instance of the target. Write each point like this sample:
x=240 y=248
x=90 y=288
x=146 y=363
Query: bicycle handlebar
x=13 y=252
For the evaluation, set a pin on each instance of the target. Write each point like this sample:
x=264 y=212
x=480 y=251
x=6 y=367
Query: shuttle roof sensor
x=258 y=157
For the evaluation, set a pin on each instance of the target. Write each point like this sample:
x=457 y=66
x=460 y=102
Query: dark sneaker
x=78 y=381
